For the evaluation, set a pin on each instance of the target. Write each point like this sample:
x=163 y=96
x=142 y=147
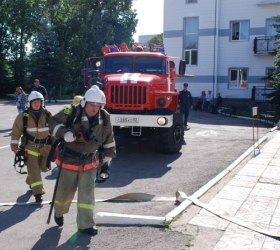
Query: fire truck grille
x=128 y=96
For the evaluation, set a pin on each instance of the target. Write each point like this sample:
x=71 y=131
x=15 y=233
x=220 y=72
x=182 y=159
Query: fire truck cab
x=140 y=89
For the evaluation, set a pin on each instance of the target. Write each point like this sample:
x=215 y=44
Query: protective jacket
x=37 y=130
x=81 y=155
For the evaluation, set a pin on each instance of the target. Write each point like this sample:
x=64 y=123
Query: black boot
x=38 y=198
x=90 y=231
x=59 y=220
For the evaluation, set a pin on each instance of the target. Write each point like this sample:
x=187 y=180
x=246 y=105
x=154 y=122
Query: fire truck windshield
x=150 y=65
x=143 y=64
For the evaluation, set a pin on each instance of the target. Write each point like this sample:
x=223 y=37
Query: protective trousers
x=68 y=183
x=36 y=163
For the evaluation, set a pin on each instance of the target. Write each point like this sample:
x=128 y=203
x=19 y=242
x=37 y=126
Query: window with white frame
x=238 y=78
x=190 y=40
x=191 y=1
x=239 y=30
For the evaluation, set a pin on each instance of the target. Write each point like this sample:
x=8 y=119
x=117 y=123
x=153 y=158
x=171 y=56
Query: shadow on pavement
x=16 y=214
x=50 y=240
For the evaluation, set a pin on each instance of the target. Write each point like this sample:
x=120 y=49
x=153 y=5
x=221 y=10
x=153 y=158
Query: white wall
x=230 y=54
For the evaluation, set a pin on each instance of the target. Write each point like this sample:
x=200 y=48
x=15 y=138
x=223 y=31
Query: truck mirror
x=182 y=68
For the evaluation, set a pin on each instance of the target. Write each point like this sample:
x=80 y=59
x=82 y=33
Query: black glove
x=103 y=173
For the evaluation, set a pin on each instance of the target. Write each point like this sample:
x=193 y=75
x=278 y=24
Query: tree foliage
x=275 y=95
x=62 y=34
x=276 y=74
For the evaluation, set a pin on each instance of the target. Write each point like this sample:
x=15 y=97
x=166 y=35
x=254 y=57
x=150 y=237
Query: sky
x=150 y=17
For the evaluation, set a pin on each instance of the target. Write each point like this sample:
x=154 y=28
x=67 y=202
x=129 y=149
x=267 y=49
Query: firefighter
x=78 y=156
x=30 y=132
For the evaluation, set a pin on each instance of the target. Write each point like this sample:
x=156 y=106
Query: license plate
x=127 y=120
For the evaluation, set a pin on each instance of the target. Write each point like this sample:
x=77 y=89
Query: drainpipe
x=216 y=48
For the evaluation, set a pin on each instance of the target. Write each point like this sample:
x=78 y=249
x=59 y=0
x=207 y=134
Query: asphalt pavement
x=240 y=211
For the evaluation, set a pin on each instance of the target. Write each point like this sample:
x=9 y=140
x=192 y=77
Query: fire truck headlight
x=161 y=102
x=162 y=121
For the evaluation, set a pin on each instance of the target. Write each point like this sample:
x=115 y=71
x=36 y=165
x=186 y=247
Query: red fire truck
x=140 y=89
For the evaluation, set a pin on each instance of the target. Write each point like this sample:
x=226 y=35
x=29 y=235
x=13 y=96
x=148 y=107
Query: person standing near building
x=21 y=99
x=30 y=133
x=186 y=102
x=40 y=88
x=208 y=101
x=82 y=135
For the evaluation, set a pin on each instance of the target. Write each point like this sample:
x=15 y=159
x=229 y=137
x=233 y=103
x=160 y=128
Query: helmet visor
x=95 y=104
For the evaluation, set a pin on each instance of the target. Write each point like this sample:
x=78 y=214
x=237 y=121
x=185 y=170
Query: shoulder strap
x=25 y=118
x=103 y=117
x=73 y=115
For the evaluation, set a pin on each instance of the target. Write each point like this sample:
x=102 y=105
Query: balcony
x=265 y=45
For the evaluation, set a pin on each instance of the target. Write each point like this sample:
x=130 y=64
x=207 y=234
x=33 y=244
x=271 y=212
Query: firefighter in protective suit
x=78 y=156
x=31 y=132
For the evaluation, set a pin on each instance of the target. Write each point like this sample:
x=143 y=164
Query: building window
x=268 y=77
x=191 y=40
x=191 y=56
x=271 y=29
x=238 y=78
x=191 y=1
x=239 y=30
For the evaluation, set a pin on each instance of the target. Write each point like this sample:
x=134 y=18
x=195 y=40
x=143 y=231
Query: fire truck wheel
x=171 y=139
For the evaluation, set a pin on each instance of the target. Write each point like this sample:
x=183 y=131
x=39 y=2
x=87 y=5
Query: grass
x=190 y=243
x=247 y=112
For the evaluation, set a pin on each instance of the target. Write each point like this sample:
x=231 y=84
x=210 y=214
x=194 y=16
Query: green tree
x=63 y=34
x=157 y=40
x=45 y=57
x=276 y=75
x=19 y=20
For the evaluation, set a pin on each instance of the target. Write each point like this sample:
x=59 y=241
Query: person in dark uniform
x=40 y=88
x=186 y=102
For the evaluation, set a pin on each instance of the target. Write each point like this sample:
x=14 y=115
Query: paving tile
x=262 y=158
x=239 y=238
x=272 y=172
x=243 y=181
x=275 y=221
x=251 y=169
x=271 y=148
x=234 y=193
x=207 y=219
x=275 y=161
x=271 y=244
x=225 y=206
x=269 y=181
x=257 y=209
x=266 y=190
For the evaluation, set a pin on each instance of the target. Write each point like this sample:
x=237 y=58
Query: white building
x=228 y=45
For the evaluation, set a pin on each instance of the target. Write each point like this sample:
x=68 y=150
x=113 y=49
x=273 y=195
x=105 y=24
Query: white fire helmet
x=35 y=95
x=94 y=94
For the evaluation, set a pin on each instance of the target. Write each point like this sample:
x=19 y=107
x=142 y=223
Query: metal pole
x=56 y=184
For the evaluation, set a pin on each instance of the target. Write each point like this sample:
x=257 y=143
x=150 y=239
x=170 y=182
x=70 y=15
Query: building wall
x=229 y=53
